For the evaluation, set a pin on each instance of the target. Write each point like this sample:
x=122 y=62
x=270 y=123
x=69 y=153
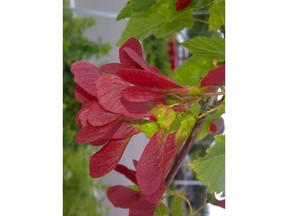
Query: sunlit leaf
x=211 y=168
x=133 y=6
x=147 y=127
x=192 y=70
x=165 y=116
x=186 y=126
x=161 y=19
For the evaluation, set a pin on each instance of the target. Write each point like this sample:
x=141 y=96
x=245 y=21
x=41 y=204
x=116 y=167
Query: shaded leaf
x=217 y=15
x=204 y=131
x=106 y=159
x=207 y=47
x=176 y=205
x=211 y=168
x=199 y=4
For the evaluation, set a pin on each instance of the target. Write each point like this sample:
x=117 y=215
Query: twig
x=183 y=152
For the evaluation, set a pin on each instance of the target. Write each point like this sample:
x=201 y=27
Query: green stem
x=199 y=209
x=199 y=20
x=184 y=198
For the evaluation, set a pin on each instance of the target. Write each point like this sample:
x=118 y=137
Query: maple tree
x=122 y=99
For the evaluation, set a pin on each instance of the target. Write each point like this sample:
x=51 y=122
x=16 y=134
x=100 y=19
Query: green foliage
x=217 y=15
x=199 y=4
x=156 y=51
x=204 y=131
x=79 y=189
x=211 y=168
x=147 y=127
x=160 y=20
x=78 y=186
x=75 y=44
x=176 y=205
x=134 y=6
x=207 y=47
x=165 y=117
x=161 y=210
x=192 y=71
x=186 y=126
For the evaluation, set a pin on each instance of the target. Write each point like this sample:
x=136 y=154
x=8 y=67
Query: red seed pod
x=181 y=4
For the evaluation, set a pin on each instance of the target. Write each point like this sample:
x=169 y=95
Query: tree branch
x=184 y=151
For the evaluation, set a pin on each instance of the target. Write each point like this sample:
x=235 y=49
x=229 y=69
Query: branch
x=184 y=151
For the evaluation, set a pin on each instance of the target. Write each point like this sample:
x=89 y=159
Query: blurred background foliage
x=81 y=194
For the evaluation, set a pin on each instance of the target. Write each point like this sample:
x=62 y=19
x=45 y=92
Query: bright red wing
x=215 y=77
x=106 y=159
x=85 y=75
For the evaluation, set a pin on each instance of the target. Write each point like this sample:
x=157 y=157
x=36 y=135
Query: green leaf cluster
x=160 y=20
x=79 y=188
x=76 y=45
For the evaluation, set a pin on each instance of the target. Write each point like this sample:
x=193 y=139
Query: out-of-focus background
x=90 y=32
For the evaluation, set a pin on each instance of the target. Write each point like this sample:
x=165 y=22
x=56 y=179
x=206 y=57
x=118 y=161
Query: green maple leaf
x=207 y=47
x=211 y=168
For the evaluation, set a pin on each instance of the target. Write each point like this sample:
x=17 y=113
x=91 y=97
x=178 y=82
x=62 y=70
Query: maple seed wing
x=85 y=75
x=107 y=158
x=215 y=77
